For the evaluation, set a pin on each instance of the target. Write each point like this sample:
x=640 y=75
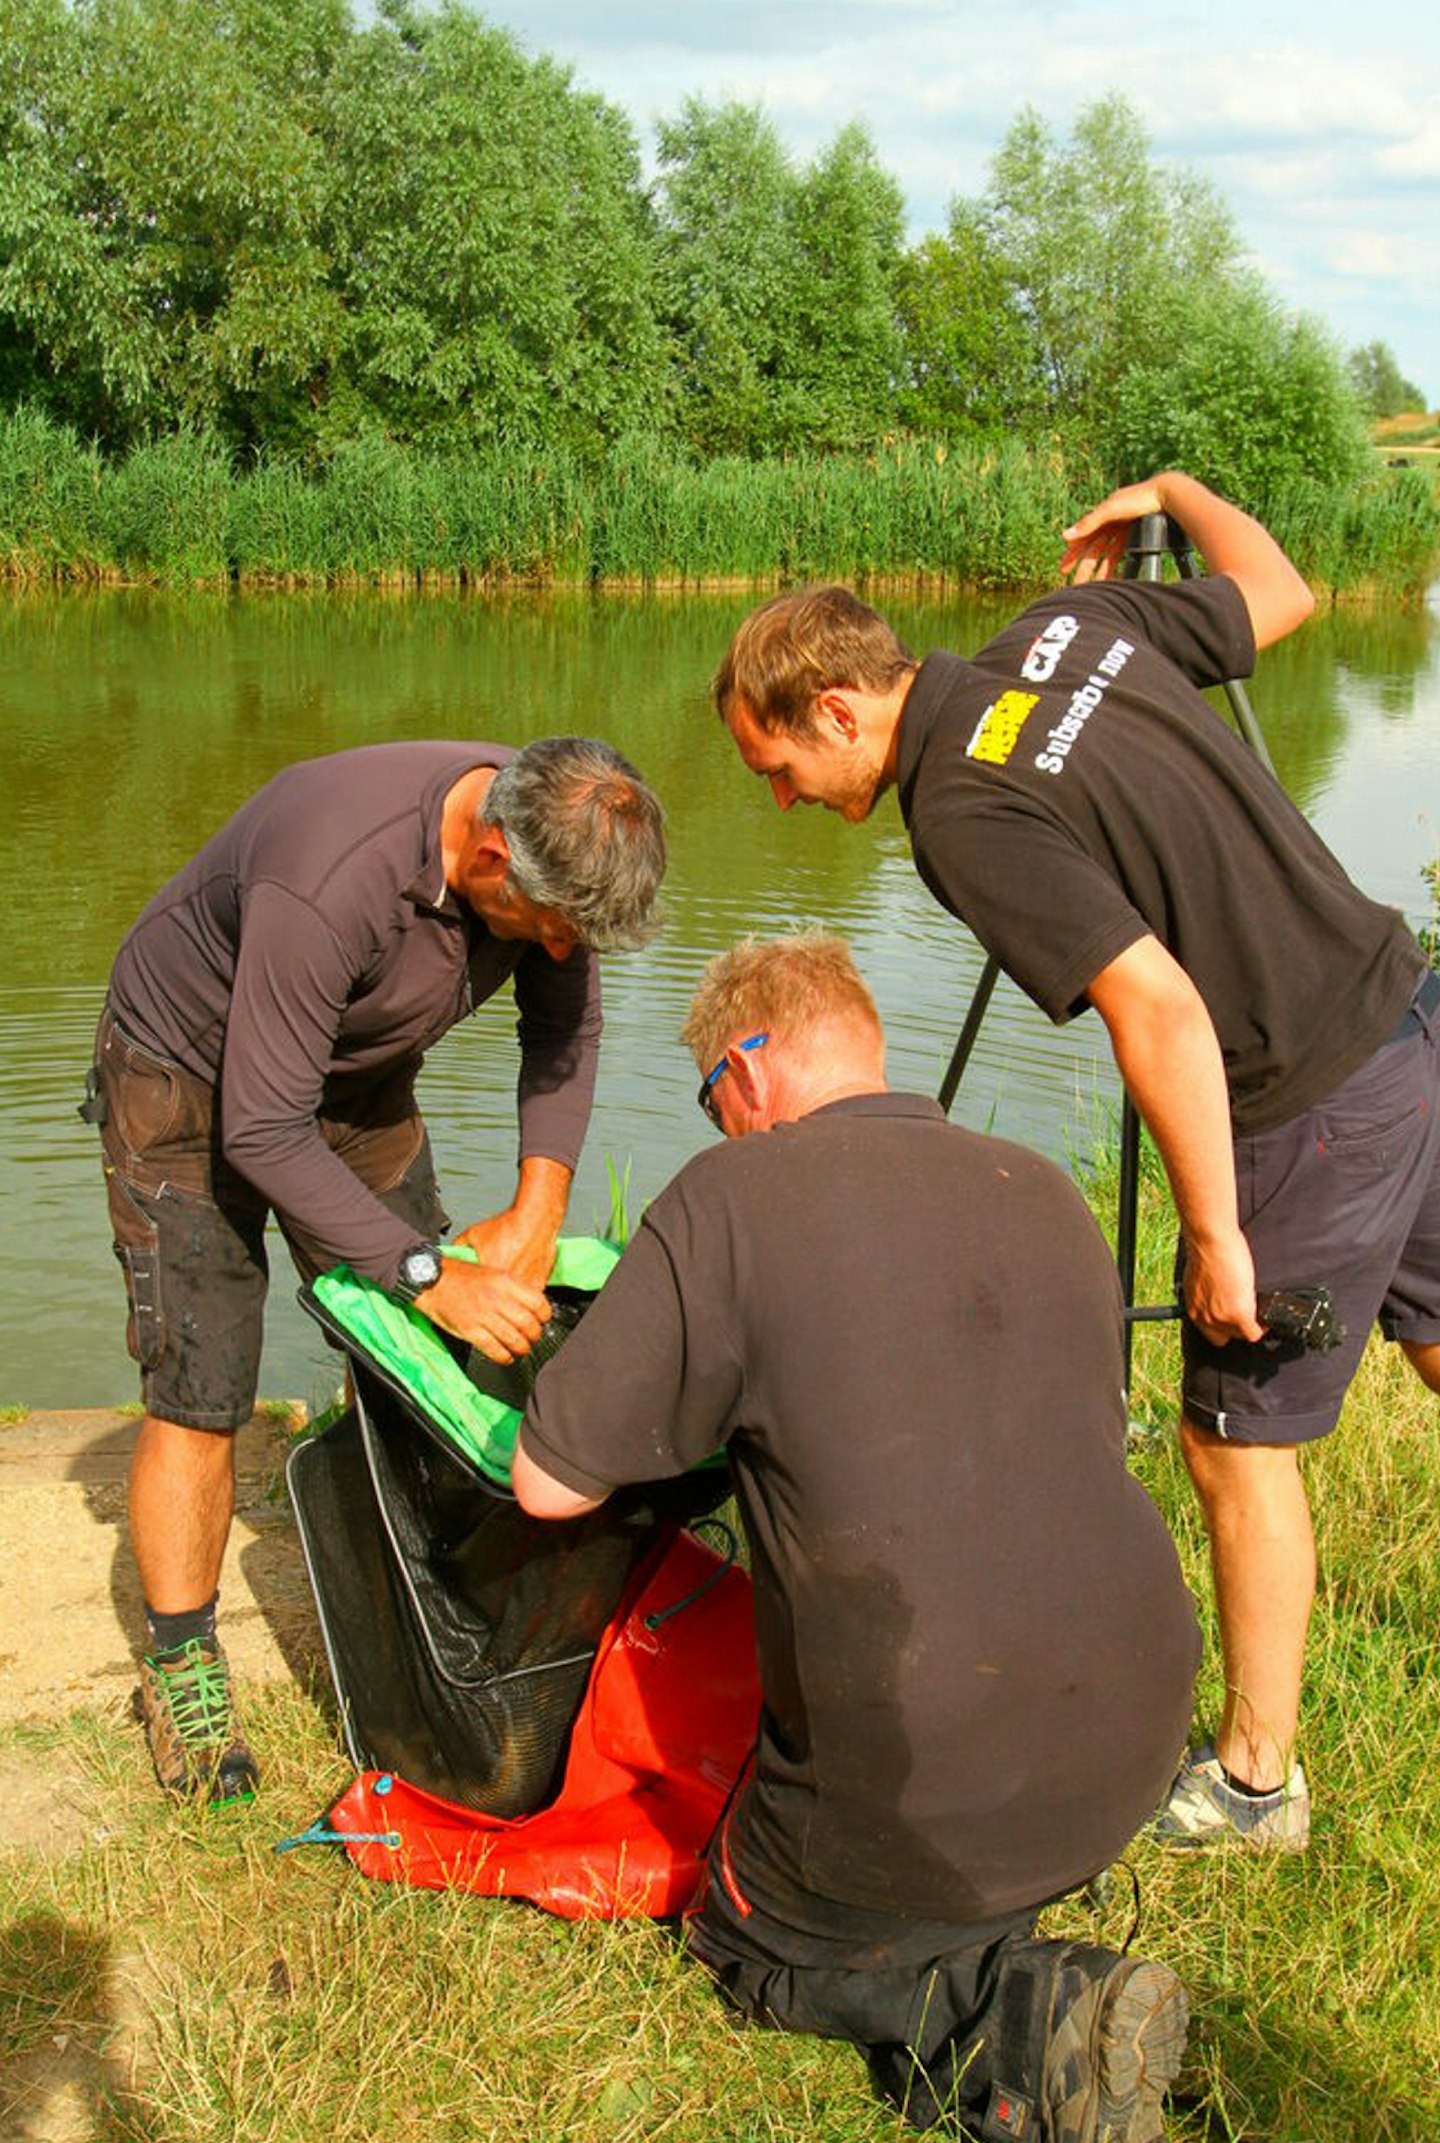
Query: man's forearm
x=297 y=1173
x=542 y=1196
x=1178 y=1087
x=1231 y=542
x=1169 y=1058
x=560 y=1027
x=522 y=1238
x=1235 y=543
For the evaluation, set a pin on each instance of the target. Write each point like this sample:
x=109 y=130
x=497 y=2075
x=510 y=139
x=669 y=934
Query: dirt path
x=70 y=1611
x=70 y=1627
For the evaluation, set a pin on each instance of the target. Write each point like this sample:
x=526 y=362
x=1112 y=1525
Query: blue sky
x=1319 y=124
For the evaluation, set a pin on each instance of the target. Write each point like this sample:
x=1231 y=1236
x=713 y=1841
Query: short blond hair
x=797 y=646
x=782 y=986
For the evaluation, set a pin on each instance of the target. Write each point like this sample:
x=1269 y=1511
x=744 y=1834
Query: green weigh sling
x=403 y=1344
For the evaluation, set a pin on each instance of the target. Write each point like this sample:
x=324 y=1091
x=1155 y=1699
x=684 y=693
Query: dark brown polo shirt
x=1069 y=789
x=976 y=1648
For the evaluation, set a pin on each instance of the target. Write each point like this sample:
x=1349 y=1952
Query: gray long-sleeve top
x=311 y=951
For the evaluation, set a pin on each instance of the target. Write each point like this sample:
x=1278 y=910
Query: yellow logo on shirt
x=999 y=727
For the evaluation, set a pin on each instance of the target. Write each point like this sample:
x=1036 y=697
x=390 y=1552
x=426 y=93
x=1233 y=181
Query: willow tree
x=778 y=284
x=1093 y=296
x=490 y=237
x=160 y=193
x=258 y=218
x=1381 y=385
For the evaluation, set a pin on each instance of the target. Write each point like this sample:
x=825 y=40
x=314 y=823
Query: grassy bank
x=1411 y=440
x=178 y=512
x=176 y=1981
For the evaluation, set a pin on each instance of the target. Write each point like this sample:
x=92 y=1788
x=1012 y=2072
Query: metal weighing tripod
x=1151 y=540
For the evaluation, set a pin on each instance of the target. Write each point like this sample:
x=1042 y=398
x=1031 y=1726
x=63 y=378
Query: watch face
x=419 y=1269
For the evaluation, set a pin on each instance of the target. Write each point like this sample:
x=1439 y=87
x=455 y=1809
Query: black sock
x=171 y=1633
x=1243 y=1785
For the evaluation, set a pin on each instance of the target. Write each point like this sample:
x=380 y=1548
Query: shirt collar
x=934 y=680
x=427 y=888
x=886 y=1103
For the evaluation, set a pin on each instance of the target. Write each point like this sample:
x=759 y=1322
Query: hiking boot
x=189 y=1717
x=1116 y=2037
x=1204 y=1809
x=1072 y=2044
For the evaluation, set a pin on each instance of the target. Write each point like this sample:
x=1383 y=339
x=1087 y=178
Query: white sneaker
x=1204 y=1809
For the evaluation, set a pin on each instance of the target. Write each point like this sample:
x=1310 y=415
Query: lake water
x=133 y=725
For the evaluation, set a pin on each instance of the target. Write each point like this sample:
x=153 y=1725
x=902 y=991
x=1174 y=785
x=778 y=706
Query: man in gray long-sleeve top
x=266 y=1018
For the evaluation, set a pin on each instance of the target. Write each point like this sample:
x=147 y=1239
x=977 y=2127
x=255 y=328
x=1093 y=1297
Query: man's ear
x=489 y=857
x=751 y=1081
x=835 y=711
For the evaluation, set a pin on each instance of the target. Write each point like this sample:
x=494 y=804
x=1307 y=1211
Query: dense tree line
x=269 y=222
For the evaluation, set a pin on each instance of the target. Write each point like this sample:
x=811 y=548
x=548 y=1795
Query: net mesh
x=460 y=1631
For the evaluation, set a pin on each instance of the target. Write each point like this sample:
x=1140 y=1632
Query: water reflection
x=135 y=725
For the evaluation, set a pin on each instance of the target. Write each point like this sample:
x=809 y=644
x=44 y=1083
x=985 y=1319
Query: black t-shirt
x=976 y=1649
x=1070 y=790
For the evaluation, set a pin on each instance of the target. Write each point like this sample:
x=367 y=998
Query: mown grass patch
x=217 y=1988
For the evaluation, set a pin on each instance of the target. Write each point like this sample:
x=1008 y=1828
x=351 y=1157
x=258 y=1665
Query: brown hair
x=797 y=646
x=782 y=986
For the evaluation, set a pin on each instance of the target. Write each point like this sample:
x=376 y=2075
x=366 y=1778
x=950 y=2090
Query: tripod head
x=1153 y=539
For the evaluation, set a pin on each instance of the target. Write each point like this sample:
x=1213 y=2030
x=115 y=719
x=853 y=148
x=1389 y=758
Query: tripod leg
x=965 y=1042
x=1150 y=540
x=1126 y=1226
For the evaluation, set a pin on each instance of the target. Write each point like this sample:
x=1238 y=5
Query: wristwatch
x=419 y=1269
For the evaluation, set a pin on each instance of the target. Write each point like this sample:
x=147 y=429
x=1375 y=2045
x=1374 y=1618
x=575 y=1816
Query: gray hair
x=585 y=835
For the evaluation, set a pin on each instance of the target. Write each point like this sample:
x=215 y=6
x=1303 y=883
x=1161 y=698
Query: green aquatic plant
x=1429 y=930
x=618 y=1223
x=179 y=511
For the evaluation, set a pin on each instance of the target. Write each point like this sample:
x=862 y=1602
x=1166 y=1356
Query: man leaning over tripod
x=1072 y=797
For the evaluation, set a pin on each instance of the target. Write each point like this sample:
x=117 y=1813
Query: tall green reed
x=165 y=509
x=984 y=516
x=50 y=490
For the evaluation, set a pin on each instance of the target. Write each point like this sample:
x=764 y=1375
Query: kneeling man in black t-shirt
x=976 y=1649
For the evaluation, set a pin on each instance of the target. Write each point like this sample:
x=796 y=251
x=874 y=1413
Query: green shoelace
x=197 y=1688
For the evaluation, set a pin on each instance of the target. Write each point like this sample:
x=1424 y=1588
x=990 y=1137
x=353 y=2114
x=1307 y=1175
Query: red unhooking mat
x=663 y=1731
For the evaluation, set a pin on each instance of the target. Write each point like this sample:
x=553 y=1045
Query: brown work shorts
x=190 y=1232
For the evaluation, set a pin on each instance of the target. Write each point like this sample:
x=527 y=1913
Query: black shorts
x=190 y=1232
x=1345 y=1196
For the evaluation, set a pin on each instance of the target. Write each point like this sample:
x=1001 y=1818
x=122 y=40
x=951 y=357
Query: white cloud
x=1417 y=158
x=1379 y=256
x=1287 y=91
x=1316 y=121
